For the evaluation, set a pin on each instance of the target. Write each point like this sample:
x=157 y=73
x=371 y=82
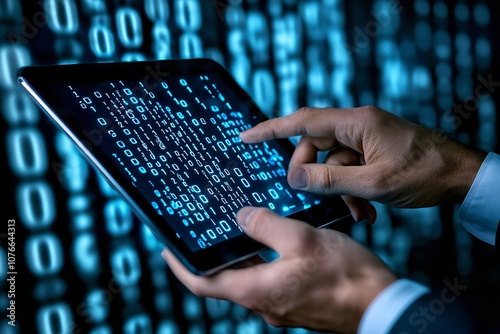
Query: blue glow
x=422 y=7
x=44 y=254
x=140 y=323
x=440 y=10
x=462 y=12
x=481 y=14
x=55 y=318
x=82 y=245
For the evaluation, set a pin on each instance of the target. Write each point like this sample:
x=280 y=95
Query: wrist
x=370 y=289
x=465 y=173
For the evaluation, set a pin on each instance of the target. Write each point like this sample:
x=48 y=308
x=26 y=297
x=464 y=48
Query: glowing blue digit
x=97 y=302
x=258 y=33
x=187 y=14
x=245 y=183
x=36 y=205
x=222 y=146
x=138 y=324
x=220 y=326
x=240 y=69
x=217 y=308
x=29 y=157
x=18 y=108
x=254 y=325
x=161 y=42
x=44 y=254
x=169 y=327
x=264 y=91
x=273 y=193
x=118 y=217
x=203 y=199
x=133 y=56
x=120 y=144
x=62 y=16
x=225 y=226
x=192 y=307
x=257 y=197
x=129 y=26
x=86 y=254
x=481 y=14
x=125 y=265
x=101 y=41
x=55 y=318
x=156 y=10
x=11 y=59
x=190 y=46
x=211 y=234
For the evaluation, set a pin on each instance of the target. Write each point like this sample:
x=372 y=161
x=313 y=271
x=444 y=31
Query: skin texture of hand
x=323 y=280
x=373 y=155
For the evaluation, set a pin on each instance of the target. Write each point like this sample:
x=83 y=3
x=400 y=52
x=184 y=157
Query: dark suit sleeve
x=437 y=312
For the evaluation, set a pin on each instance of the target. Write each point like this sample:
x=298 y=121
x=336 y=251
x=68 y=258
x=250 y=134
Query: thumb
x=326 y=179
x=284 y=235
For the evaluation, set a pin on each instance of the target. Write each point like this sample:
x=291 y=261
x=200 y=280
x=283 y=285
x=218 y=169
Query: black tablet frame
x=38 y=80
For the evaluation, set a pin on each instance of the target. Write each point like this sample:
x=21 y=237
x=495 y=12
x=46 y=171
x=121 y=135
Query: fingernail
x=164 y=253
x=298 y=178
x=244 y=216
x=243 y=135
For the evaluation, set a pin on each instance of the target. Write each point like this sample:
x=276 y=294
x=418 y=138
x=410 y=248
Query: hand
x=374 y=156
x=323 y=280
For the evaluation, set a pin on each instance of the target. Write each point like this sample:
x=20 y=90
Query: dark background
x=85 y=263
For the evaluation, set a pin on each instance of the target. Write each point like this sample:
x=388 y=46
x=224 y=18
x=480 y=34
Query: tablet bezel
x=38 y=80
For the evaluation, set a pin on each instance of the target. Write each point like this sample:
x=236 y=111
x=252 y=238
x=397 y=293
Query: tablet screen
x=177 y=141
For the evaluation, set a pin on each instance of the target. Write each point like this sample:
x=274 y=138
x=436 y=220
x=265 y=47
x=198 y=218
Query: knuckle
x=370 y=113
x=325 y=180
x=376 y=183
x=303 y=111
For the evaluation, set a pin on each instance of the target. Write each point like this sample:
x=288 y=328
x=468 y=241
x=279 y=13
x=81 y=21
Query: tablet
x=165 y=134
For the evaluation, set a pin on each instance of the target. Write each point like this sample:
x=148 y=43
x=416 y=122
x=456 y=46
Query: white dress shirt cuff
x=480 y=212
x=386 y=309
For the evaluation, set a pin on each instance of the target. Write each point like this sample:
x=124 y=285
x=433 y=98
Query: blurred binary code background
x=86 y=264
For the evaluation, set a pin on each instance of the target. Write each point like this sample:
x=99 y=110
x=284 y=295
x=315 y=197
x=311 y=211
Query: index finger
x=313 y=122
